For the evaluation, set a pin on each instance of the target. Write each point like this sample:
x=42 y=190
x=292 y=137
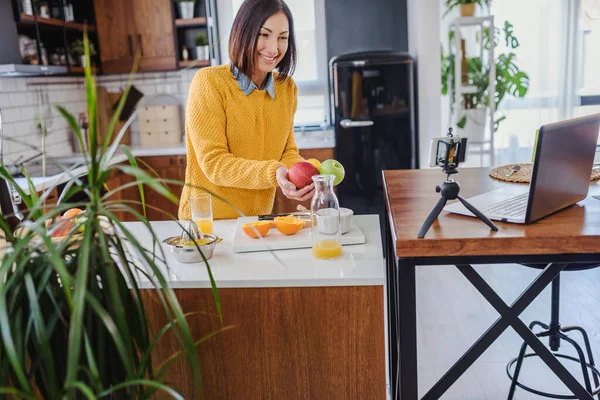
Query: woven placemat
x=524 y=174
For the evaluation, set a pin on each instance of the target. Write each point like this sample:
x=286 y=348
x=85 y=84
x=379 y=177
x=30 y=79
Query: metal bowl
x=189 y=253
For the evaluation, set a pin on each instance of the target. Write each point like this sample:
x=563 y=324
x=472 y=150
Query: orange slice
x=263 y=227
x=288 y=225
x=71 y=212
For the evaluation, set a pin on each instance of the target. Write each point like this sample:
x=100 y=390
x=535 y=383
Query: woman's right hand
x=289 y=189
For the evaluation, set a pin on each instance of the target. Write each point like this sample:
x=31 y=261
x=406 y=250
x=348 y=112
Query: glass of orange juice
x=201 y=206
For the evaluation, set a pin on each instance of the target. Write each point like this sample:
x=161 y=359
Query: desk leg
x=407 y=330
x=390 y=258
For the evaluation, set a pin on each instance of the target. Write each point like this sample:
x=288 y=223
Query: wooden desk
x=569 y=236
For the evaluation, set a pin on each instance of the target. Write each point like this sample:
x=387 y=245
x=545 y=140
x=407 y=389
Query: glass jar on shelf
x=325 y=216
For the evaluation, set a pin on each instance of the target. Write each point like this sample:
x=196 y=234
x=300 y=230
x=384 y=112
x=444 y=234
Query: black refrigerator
x=373 y=110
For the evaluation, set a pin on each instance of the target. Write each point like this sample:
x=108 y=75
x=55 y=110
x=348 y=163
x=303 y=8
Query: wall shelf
x=199 y=64
x=191 y=22
x=54 y=22
x=50 y=40
x=479 y=127
x=80 y=70
x=79 y=27
x=27 y=18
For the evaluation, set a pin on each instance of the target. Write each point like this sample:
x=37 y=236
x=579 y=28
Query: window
x=541 y=44
x=560 y=53
x=311 y=70
x=589 y=79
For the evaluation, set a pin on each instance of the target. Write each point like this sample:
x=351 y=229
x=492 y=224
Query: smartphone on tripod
x=455 y=148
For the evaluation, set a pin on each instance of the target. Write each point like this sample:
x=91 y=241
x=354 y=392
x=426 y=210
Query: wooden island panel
x=285 y=343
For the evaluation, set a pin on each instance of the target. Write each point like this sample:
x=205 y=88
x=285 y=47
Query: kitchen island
x=302 y=328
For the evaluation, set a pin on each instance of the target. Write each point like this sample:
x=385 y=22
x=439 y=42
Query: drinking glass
x=201 y=207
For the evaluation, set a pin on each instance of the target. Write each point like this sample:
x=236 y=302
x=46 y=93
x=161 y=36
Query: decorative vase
x=202 y=53
x=27 y=7
x=186 y=9
x=474 y=128
x=82 y=61
x=467 y=10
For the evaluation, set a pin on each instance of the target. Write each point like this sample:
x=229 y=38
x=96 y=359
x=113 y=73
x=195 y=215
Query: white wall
x=424 y=44
x=225 y=20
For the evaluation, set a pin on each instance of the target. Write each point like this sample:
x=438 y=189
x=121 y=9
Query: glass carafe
x=325 y=216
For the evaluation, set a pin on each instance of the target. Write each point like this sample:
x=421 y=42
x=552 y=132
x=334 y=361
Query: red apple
x=301 y=174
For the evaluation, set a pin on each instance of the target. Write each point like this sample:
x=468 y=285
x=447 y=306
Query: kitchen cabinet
x=118 y=179
x=165 y=167
x=126 y=27
x=33 y=44
x=290 y=343
x=204 y=21
x=158 y=207
x=154 y=34
x=115 y=34
x=282 y=204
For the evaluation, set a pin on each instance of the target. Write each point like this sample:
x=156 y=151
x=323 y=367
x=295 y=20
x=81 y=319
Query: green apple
x=80 y=220
x=333 y=167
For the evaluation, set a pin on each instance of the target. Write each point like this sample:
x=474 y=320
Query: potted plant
x=78 y=51
x=186 y=8
x=509 y=78
x=73 y=321
x=202 y=46
x=467 y=7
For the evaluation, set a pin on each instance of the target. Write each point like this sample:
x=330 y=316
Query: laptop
x=564 y=156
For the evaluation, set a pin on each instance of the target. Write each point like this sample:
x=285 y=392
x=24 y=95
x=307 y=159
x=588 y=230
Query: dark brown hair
x=244 y=35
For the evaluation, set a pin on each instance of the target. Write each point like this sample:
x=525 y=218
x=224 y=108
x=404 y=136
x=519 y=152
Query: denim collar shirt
x=248 y=86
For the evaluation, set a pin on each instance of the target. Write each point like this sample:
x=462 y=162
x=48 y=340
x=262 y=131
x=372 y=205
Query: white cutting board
x=276 y=240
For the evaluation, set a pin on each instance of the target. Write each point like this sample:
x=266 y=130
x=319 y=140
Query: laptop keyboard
x=513 y=207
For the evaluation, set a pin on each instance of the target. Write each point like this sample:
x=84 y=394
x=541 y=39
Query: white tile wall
x=158 y=87
x=24 y=99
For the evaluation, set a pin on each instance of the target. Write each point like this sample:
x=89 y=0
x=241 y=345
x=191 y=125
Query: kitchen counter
x=302 y=327
x=42 y=183
x=359 y=265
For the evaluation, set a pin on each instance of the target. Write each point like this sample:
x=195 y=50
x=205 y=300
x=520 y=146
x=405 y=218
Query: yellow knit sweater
x=236 y=142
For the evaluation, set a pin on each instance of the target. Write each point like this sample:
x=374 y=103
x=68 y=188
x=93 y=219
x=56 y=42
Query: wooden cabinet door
x=154 y=34
x=129 y=196
x=114 y=20
x=282 y=204
x=166 y=167
x=319 y=154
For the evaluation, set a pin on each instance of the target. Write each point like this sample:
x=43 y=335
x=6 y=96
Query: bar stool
x=555 y=333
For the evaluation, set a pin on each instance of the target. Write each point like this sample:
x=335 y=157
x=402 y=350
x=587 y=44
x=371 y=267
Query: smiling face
x=271 y=46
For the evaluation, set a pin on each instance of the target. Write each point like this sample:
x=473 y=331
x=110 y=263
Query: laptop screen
x=563 y=163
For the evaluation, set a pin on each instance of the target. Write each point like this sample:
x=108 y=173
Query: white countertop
x=43 y=183
x=359 y=265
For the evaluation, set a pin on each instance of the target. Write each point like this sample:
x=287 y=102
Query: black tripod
x=449 y=191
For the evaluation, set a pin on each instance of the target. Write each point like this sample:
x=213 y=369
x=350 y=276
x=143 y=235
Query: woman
x=240 y=117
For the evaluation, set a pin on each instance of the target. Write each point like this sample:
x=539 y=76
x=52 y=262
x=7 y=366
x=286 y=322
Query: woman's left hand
x=289 y=189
